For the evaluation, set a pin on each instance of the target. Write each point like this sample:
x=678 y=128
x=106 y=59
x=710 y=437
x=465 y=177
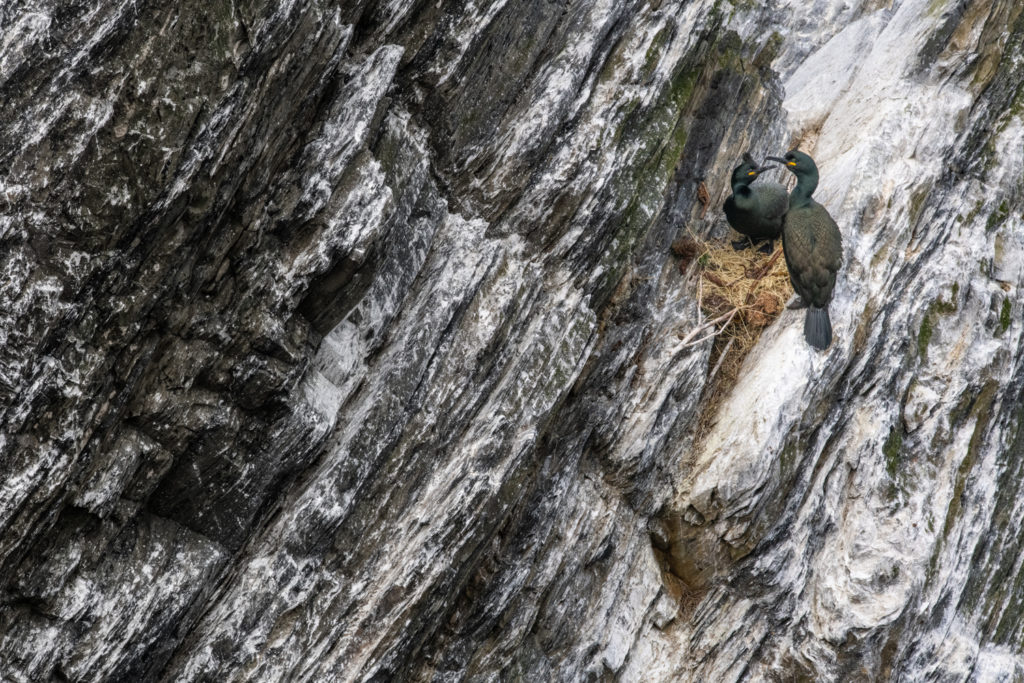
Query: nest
x=740 y=293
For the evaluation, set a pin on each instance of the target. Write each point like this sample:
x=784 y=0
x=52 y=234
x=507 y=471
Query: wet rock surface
x=345 y=342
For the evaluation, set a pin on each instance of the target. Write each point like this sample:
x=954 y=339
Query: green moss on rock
x=997 y=217
x=981 y=410
x=917 y=200
x=1004 y=316
x=655 y=50
x=892 y=449
x=924 y=337
x=927 y=329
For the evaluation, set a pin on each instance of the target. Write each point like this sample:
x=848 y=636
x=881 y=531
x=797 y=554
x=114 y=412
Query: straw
x=740 y=293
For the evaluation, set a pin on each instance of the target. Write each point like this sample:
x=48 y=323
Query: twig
x=710 y=335
x=700 y=300
x=727 y=317
x=721 y=358
x=763 y=270
x=704 y=326
x=715 y=279
x=759 y=275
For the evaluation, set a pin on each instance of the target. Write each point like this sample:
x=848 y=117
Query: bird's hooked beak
x=778 y=159
x=765 y=168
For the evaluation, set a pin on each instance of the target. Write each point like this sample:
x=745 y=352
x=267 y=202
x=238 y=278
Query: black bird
x=813 y=247
x=755 y=211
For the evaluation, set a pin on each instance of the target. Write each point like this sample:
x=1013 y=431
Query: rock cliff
x=343 y=341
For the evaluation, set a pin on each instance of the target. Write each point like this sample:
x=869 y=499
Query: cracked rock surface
x=343 y=342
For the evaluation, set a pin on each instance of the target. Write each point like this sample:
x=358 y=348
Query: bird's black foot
x=767 y=247
x=742 y=244
x=796 y=303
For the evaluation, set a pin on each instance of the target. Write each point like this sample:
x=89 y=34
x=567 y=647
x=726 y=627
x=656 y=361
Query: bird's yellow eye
x=751 y=172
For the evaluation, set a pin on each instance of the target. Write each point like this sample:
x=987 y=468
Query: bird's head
x=747 y=172
x=799 y=163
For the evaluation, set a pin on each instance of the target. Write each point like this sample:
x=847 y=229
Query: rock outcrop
x=343 y=341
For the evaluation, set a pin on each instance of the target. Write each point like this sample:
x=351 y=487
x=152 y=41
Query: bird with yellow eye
x=813 y=248
x=755 y=211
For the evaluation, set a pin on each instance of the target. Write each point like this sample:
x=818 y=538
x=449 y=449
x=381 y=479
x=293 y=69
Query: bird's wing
x=798 y=245
x=774 y=199
x=830 y=252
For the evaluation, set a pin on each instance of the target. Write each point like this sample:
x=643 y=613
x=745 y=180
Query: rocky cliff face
x=343 y=341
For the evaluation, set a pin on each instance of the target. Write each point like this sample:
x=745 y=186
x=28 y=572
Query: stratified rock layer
x=344 y=342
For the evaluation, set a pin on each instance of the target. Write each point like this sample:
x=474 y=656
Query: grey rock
x=343 y=341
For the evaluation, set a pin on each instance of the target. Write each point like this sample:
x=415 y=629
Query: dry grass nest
x=740 y=293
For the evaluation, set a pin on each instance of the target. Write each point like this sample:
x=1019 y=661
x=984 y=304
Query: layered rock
x=344 y=342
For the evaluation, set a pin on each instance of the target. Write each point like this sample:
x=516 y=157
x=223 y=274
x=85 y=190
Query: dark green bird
x=755 y=211
x=814 y=249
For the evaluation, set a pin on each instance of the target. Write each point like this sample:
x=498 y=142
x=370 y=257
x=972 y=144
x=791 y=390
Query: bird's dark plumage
x=755 y=211
x=813 y=247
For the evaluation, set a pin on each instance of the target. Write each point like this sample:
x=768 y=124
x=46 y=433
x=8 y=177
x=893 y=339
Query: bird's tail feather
x=817 y=328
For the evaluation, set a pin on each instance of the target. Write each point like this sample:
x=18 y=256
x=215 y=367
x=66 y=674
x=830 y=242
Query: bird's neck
x=743 y=196
x=741 y=186
x=805 y=187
